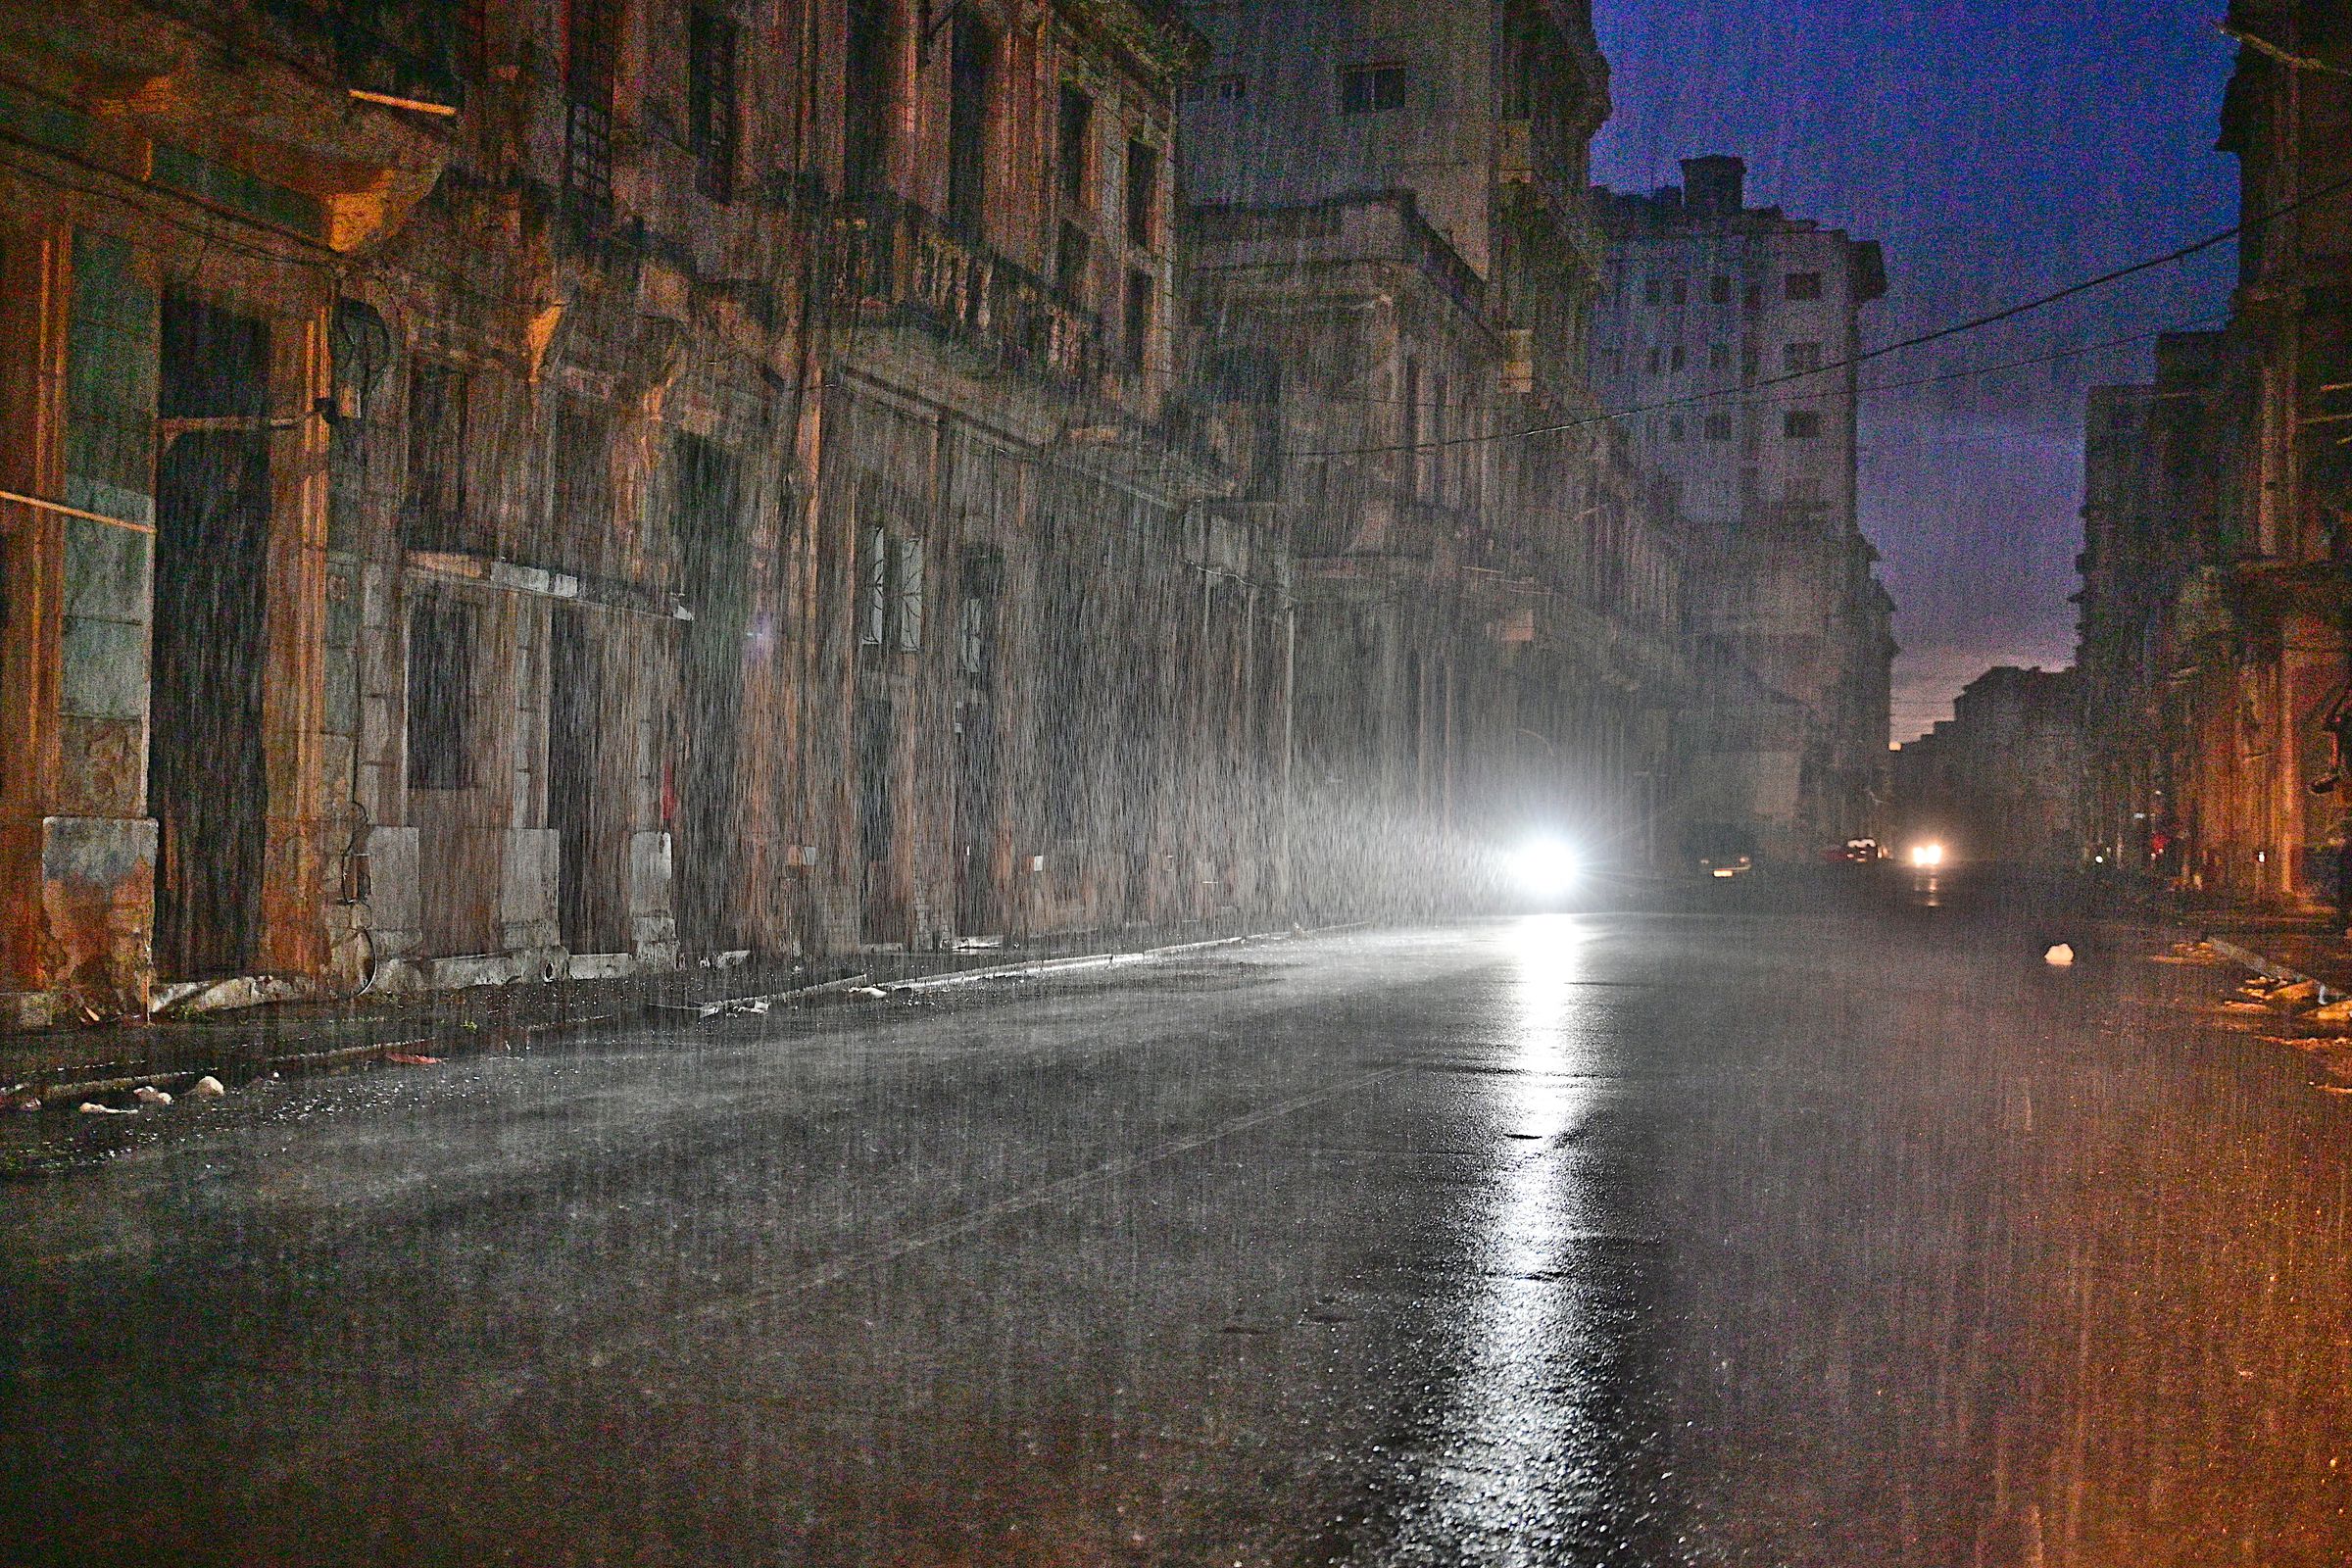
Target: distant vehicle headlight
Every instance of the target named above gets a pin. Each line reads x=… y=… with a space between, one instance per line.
x=1929 y=855
x=1545 y=868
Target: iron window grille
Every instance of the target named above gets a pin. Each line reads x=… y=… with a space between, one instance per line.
x=711 y=100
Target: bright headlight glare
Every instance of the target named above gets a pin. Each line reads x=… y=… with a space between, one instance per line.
x=1926 y=855
x=1545 y=866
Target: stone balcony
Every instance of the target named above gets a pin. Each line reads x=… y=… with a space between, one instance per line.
x=890 y=260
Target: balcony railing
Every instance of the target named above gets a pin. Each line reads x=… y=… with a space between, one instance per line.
x=891 y=258
x=422 y=49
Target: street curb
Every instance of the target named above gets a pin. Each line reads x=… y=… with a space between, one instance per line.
x=1042 y=968
x=2273 y=969
x=728 y=1006
x=52 y=1094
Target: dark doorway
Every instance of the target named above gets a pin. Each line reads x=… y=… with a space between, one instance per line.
x=879 y=916
x=586 y=893
x=978 y=911
x=709 y=530
x=205 y=783
x=976 y=819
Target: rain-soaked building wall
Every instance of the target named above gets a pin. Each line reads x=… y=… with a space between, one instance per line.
x=1062 y=665
x=1319 y=327
x=517 y=492
x=2215 y=609
x=177 y=221
x=1393 y=272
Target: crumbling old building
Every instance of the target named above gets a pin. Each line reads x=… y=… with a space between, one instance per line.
x=1728 y=333
x=1999 y=783
x=524 y=491
x=1392 y=266
x=517 y=492
x=2217 y=515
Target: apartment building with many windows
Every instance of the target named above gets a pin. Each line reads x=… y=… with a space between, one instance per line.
x=1724 y=339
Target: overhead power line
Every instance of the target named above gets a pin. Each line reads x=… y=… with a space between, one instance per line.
x=1973 y=323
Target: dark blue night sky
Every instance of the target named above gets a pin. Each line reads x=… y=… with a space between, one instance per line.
x=1997 y=150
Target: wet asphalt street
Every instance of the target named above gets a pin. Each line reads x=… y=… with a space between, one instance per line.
x=1754 y=1234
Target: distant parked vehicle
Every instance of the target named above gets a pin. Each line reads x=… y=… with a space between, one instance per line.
x=1854 y=851
x=1719 y=850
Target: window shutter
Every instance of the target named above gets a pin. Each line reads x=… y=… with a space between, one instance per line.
x=973 y=637
x=874 y=614
x=910 y=594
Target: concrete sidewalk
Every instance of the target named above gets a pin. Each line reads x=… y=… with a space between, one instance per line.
x=62 y=1065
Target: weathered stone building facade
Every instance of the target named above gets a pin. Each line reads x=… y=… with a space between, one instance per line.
x=1393 y=268
x=570 y=490
x=2218 y=514
x=1998 y=783
x=514 y=492
x=1730 y=332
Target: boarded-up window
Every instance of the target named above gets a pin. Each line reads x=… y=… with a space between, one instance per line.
x=1139 y=319
x=582 y=527
x=441 y=658
x=711 y=100
x=1073 y=146
x=1143 y=193
x=433 y=509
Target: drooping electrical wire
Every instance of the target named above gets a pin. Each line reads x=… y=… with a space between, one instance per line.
x=1917 y=340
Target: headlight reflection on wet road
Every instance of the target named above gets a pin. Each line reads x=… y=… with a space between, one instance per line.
x=1520 y=1476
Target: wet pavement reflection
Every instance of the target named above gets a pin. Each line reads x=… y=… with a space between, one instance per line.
x=1534 y=1464
x=1789 y=1228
